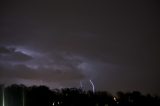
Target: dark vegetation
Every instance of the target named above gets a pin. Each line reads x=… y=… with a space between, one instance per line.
x=20 y=95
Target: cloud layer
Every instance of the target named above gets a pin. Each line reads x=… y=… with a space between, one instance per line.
x=116 y=44
x=17 y=65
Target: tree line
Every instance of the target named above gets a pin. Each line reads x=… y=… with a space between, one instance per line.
x=21 y=95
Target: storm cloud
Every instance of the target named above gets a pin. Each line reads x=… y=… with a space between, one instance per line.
x=116 y=44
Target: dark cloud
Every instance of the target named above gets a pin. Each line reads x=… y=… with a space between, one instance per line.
x=51 y=75
x=4 y=50
x=10 y=54
x=49 y=67
x=115 y=43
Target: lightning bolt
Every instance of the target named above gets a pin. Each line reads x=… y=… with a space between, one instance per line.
x=81 y=86
x=93 y=88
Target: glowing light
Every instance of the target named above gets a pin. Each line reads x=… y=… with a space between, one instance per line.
x=53 y=104
x=92 y=85
x=3 y=96
x=114 y=98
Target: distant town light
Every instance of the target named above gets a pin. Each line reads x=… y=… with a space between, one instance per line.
x=115 y=99
x=3 y=96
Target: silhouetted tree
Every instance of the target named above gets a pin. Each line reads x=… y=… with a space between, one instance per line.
x=13 y=95
x=20 y=95
x=137 y=99
x=39 y=96
x=1 y=94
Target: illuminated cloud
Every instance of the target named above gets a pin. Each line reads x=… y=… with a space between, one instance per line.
x=39 y=66
x=115 y=44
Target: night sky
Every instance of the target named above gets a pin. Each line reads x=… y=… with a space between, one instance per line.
x=60 y=43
